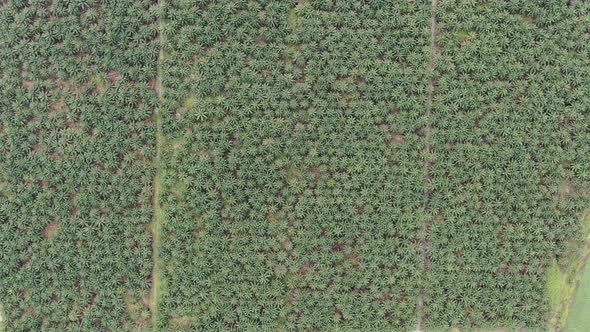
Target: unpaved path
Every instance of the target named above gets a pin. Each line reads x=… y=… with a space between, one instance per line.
x=427 y=163
x=156 y=226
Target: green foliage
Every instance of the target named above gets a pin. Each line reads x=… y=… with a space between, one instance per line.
x=292 y=130
x=76 y=144
x=314 y=168
x=510 y=145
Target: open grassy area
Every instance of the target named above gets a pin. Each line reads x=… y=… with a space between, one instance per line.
x=567 y=284
x=579 y=319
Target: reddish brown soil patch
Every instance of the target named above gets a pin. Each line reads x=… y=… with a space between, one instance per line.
x=74 y=211
x=341 y=78
x=141 y=321
x=293 y=297
x=146 y=300
x=27 y=84
x=205 y=153
x=57 y=156
x=438 y=219
x=99 y=88
x=338 y=247
x=24 y=262
x=79 y=90
x=82 y=55
x=197 y=231
x=153 y=84
x=29 y=311
x=234 y=140
x=397 y=139
x=316 y=172
x=89 y=304
x=62 y=85
x=37 y=148
x=130 y=306
x=272 y=217
x=101 y=166
x=114 y=76
x=260 y=41
x=303 y=269
x=72 y=125
x=78 y=284
x=504 y=268
x=138 y=155
x=567 y=188
x=386 y=297
x=353 y=259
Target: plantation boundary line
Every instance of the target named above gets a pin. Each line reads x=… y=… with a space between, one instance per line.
x=427 y=161
x=579 y=274
x=156 y=226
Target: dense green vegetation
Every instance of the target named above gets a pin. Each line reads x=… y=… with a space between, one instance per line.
x=76 y=144
x=510 y=144
x=282 y=165
x=293 y=164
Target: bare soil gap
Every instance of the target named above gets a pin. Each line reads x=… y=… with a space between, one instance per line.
x=427 y=163
x=158 y=217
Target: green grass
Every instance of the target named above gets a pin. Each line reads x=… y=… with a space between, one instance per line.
x=293 y=19
x=563 y=278
x=156 y=226
x=579 y=319
x=190 y=101
x=156 y=229
x=559 y=291
x=1 y=319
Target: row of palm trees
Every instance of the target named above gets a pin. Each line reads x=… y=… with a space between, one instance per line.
x=282 y=208
x=500 y=183
x=76 y=146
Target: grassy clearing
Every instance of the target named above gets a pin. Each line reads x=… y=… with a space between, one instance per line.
x=156 y=226
x=156 y=229
x=190 y=101
x=1 y=319
x=293 y=19
x=578 y=314
x=562 y=282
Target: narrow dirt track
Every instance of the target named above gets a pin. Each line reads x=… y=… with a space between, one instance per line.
x=158 y=217
x=427 y=162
